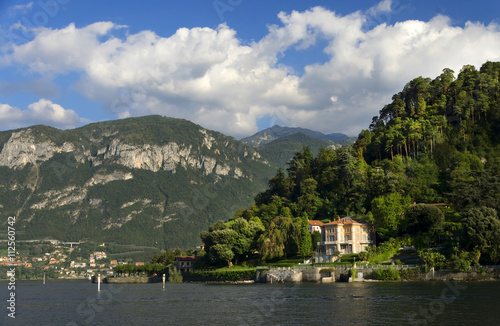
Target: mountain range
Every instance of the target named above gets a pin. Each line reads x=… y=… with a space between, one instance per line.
x=270 y=134
x=150 y=181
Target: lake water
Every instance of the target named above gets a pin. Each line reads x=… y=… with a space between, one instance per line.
x=73 y=303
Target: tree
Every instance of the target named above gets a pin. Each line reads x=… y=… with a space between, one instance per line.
x=432 y=258
x=308 y=202
x=167 y=257
x=423 y=218
x=305 y=238
x=267 y=212
x=315 y=238
x=281 y=238
x=222 y=252
x=481 y=227
x=174 y=276
x=299 y=165
x=279 y=186
x=388 y=213
x=219 y=244
x=247 y=235
x=475 y=188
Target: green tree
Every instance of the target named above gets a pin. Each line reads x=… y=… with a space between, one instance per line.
x=308 y=203
x=482 y=228
x=305 y=238
x=315 y=238
x=174 y=275
x=219 y=243
x=247 y=236
x=475 y=187
x=167 y=257
x=222 y=252
x=432 y=258
x=388 y=213
x=281 y=238
x=424 y=219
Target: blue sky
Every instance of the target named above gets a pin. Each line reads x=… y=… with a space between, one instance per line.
x=235 y=66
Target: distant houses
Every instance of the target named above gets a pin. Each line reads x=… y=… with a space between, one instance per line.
x=99 y=255
x=185 y=263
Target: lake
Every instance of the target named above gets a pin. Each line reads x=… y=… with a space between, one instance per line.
x=73 y=303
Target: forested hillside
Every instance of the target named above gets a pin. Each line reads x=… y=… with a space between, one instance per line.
x=437 y=142
x=444 y=134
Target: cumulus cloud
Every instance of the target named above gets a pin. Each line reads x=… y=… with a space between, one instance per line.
x=42 y=112
x=210 y=77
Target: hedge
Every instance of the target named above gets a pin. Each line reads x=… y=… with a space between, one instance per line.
x=221 y=276
x=389 y=274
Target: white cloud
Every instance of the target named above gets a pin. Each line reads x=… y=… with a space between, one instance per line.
x=42 y=112
x=208 y=76
x=383 y=6
x=23 y=9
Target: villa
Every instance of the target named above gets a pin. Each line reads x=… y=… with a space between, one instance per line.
x=344 y=235
x=185 y=263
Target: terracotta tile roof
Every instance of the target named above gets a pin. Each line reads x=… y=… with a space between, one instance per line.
x=185 y=258
x=315 y=223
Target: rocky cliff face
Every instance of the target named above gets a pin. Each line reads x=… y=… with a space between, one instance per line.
x=140 y=180
x=22 y=149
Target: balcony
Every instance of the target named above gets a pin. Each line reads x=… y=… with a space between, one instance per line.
x=336 y=242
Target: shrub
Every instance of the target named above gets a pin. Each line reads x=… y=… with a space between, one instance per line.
x=389 y=274
x=353 y=273
x=364 y=256
x=174 y=276
x=432 y=258
x=462 y=261
x=410 y=274
x=222 y=275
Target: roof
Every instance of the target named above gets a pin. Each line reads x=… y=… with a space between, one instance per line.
x=346 y=220
x=185 y=258
x=315 y=223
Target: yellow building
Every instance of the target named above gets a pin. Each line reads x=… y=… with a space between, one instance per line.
x=346 y=235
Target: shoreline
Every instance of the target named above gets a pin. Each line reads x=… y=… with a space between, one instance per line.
x=253 y=281
x=297 y=275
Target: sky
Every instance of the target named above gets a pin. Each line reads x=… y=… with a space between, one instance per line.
x=235 y=66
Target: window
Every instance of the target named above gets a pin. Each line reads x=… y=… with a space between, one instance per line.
x=347 y=237
x=364 y=237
